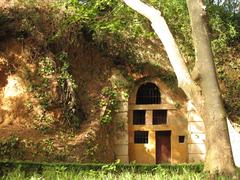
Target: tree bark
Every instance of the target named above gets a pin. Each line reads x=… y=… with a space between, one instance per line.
x=219 y=157
x=209 y=104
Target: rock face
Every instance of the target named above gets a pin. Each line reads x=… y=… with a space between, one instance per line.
x=235 y=142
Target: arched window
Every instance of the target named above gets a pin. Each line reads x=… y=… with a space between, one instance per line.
x=148 y=93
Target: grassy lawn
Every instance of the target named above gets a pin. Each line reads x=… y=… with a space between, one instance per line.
x=39 y=171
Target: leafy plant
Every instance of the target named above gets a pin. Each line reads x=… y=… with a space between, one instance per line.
x=48 y=146
x=109 y=104
x=110 y=168
x=91 y=146
x=10 y=147
x=68 y=87
x=64 y=75
x=44 y=121
x=47 y=66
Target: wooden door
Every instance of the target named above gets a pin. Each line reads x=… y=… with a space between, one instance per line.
x=163 y=147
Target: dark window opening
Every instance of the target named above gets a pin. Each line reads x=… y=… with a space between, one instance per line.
x=141 y=137
x=139 y=117
x=159 y=117
x=181 y=139
x=148 y=94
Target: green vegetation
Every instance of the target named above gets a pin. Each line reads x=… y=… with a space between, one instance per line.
x=91 y=147
x=109 y=104
x=15 y=147
x=106 y=21
x=9 y=148
x=53 y=86
x=19 y=170
x=68 y=92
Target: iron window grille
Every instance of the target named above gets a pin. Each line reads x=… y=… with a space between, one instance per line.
x=139 y=117
x=140 y=137
x=159 y=117
x=148 y=94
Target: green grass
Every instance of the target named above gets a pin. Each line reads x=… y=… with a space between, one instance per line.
x=100 y=175
x=32 y=171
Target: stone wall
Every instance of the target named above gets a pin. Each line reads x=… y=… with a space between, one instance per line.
x=120 y=119
x=196 y=137
x=121 y=133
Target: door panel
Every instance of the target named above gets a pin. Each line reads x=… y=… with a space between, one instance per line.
x=163 y=146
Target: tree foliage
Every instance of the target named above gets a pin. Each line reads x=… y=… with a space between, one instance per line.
x=224 y=24
x=116 y=30
x=106 y=17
